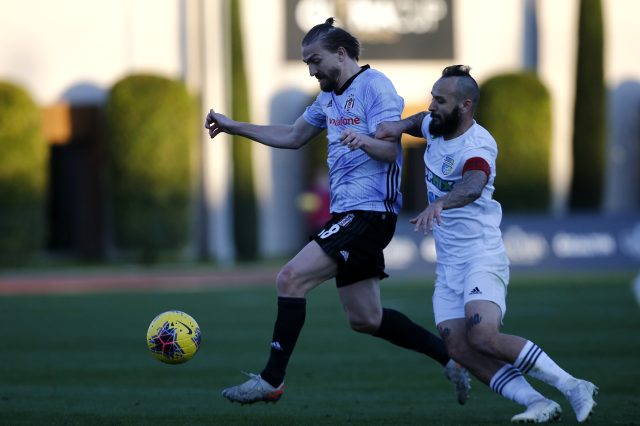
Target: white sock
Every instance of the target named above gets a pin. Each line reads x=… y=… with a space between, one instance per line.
x=536 y=363
x=509 y=382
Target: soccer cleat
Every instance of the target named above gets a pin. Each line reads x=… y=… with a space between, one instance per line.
x=580 y=397
x=253 y=390
x=459 y=376
x=541 y=411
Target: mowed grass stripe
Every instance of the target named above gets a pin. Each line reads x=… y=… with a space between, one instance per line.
x=81 y=359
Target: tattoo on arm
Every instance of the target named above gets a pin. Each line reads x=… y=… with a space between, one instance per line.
x=466 y=191
x=473 y=320
x=414 y=124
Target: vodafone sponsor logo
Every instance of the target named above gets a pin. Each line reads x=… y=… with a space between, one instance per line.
x=344 y=121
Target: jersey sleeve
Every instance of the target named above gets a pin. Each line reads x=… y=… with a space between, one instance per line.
x=314 y=114
x=477 y=163
x=383 y=103
x=480 y=158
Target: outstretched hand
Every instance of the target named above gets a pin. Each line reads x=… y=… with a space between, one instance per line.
x=217 y=123
x=428 y=218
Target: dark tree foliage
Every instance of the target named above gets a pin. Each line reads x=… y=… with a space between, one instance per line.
x=589 y=120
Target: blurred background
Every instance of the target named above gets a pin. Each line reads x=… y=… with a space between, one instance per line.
x=104 y=157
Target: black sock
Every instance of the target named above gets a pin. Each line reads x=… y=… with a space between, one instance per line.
x=291 y=315
x=400 y=330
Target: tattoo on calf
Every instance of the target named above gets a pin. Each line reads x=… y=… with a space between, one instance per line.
x=474 y=319
x=445 y=332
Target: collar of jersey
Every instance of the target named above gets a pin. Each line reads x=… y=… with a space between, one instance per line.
x=346 y=85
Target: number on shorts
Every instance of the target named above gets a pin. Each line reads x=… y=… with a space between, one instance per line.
x=324 y=234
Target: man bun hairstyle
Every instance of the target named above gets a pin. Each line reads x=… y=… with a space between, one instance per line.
x=467 y=87
x=332 y=38
x=456 y=71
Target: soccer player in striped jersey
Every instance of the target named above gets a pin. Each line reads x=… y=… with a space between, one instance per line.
x=472 y=269
x=365 y=196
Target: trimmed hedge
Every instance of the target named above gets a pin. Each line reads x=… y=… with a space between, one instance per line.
x=516 y=109
x=23 y=176
x=152 y=129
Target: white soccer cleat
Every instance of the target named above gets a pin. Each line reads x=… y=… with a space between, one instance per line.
x=459 y=376
x=580 y=397
x=253 y=390
x=541 y=411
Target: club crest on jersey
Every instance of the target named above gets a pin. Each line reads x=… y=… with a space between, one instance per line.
x=447 y=165
x=349 y=103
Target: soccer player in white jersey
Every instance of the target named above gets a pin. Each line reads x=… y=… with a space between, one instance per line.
x=365 y=198
x=472 y=269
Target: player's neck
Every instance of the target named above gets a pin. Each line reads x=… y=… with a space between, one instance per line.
x=351 y=68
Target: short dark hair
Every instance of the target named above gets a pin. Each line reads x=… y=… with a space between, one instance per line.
x=467 y=87
x=332 y=38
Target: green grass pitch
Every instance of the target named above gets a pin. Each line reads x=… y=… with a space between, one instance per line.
x=82 y=359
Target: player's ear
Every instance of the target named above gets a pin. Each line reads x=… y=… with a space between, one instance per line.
x=342 y=53
x=467 y=105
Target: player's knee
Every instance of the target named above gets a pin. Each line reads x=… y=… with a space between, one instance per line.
x=363 y=324
x=457 y=350
x=287 y=282
x=483 y=341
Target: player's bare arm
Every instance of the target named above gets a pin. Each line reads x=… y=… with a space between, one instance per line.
x=394 y=129
x=377 y=149
x=464 y=192
x=291 y=136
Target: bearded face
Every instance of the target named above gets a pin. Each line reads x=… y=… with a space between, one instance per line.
x=323 y=64
x=328 y=80
x=444 y=124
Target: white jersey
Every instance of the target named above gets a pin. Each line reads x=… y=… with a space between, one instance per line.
x=357 y=181
x=473 y=230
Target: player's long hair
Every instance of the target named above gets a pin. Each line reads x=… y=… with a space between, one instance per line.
x=332 y=38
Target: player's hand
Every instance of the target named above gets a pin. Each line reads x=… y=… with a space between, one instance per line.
x=389 y=130
x=217 y=123
x=428 y=218
x=352 y=140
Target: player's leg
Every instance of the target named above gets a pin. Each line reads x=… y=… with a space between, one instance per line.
x=357 y=243
x=502 y=378
x=361 y=302
x=484 y=293
x=484 y=311
x=454 y=336
x=309 y=268
x=448 y=306
x=580 y=393
x=523 y=354
x=358 y=249
x=483 y=321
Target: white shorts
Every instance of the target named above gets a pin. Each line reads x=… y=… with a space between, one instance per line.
x=483 y=278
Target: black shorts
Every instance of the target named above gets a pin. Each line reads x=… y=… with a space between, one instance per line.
x=355 y=240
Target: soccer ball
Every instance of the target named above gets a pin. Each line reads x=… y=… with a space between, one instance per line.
x=173 y=337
